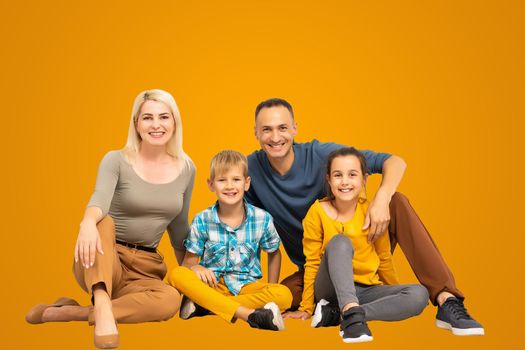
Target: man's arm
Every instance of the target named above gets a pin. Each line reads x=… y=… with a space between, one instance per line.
x=378 y=214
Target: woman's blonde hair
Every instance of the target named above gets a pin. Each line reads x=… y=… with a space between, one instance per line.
x=174 y=146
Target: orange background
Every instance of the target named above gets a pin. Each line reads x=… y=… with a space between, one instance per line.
x=438 y=83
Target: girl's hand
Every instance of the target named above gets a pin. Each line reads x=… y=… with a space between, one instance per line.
x=88 y=243
x=206 y=275
x=301 y=315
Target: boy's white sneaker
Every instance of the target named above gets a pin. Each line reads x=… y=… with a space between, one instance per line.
x=268 y=317
x=189 y=309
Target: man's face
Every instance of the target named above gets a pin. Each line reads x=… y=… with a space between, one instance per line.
x=275 y=130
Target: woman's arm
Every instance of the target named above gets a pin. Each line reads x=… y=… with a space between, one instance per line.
x=179 y=228
x=179 y=255
x=88 y=240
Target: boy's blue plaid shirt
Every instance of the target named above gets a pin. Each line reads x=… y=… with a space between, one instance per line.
x=233 y=253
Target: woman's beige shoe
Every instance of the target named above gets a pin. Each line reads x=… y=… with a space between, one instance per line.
x=110 y=341
x=34 y=316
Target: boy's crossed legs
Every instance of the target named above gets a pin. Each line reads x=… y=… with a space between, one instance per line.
x=248 y=305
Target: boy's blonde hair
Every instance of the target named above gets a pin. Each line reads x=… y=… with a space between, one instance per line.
x=225 y=160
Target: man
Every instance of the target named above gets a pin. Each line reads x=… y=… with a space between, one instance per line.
x=288 y=177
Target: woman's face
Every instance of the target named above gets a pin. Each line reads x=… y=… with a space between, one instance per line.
x=155 y=123
x=346 y=179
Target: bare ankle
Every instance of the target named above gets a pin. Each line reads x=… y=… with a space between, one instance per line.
x=349 y=306
x=100 y=295
x=243 y=313
x=443 y=296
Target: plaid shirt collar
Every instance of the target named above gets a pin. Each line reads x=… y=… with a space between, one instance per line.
x=248 y=210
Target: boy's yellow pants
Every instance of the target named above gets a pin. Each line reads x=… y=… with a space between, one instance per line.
x=221 y=301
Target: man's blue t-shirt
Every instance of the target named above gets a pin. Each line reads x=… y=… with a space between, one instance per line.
x=287 y=198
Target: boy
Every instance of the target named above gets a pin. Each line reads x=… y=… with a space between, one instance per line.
x=228 y=237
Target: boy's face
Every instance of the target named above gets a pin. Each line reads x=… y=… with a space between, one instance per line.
x=230 y=185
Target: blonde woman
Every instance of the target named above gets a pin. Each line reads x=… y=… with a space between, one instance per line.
x=141 y=191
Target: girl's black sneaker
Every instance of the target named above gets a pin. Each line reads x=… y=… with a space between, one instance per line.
x=353 y=326
x=326 y=315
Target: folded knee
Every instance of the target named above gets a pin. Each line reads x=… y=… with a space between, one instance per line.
x=106 y=227
x=168 y=305
x=178 y=274
x=399 y=199
x=340 y=244
x=418 y=298
x=282 y=296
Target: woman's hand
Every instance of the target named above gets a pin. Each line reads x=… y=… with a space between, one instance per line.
x=88 y=243
x=301 y=315
x=206 y=275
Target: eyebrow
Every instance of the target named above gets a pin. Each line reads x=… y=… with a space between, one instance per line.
x=276 y=126
x=341 y=171
x=164 y=113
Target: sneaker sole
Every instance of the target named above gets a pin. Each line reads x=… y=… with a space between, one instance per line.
x=361 y=339
x=187 y=309
x=277 y=318
x=318 y=314
x=459 y=331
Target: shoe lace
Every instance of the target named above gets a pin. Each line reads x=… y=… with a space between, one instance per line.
x=456 y=307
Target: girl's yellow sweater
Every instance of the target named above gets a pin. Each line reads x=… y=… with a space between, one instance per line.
x=372 y=262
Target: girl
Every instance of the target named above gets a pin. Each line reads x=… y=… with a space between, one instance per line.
x=342 y=268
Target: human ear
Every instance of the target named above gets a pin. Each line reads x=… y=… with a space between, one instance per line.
x=247 y=183
x=327 y=178
x=294 y=128
x=210 y=185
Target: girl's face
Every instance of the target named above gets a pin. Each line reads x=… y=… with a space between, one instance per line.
x=346 y=178
x=155 y=123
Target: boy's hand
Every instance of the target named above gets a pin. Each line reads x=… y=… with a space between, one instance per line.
x=302 y=315
x=206 y=275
